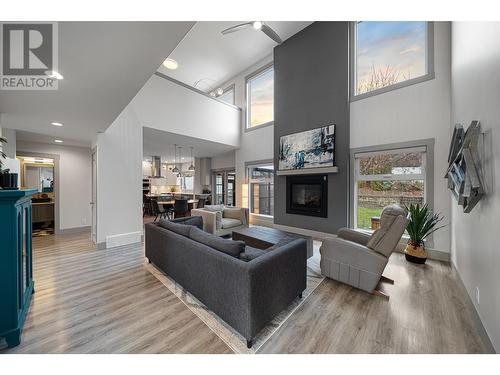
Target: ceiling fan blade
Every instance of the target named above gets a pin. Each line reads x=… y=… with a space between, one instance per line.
x=239 y=27
x=271 y=33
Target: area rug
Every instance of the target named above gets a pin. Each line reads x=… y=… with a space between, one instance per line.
x=233 y=339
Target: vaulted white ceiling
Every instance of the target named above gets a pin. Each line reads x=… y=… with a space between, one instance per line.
x=161 y=143
x=104 y=65
x=207 y=55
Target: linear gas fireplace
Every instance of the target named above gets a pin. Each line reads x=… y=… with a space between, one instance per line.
x=307 y=195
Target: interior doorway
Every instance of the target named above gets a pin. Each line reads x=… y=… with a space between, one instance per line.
x=224 y=187
x=40 y=172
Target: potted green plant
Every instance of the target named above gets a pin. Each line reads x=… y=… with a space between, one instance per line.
x=422 y=222
x=8 y=181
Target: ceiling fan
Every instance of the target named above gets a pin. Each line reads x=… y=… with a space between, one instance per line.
x=257 y=25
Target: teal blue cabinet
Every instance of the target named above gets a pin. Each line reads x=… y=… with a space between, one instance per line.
x=16 y=268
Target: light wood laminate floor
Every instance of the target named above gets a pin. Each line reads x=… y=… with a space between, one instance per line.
x=427 y=313
x=105 y=301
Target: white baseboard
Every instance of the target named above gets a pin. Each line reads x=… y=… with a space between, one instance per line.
x=123 y=239
x=74 y=230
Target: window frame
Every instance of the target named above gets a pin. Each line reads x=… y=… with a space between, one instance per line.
x=262 y=70
x=429 y=64
x=251 y=165
x=427 y=165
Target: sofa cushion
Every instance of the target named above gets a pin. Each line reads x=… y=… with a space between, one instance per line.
x=196 y=221
x=233 y=248
x=218 y=209
x=175 y=227
x=232 y=213
x=251 y=253
x=230 y=223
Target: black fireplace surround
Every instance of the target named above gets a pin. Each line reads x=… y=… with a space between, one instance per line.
x=307 y=195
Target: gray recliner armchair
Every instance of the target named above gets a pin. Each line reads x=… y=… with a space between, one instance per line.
x=359 y=259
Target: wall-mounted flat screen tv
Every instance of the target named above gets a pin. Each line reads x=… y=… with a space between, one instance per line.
x=308 y=149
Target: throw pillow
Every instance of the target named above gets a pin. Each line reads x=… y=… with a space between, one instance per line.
x=214 y=207
x=230 y=247
x=181 y=229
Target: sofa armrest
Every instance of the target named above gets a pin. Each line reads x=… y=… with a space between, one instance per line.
x=276 y=279
x=209 y=219
x=353 y=254
x=353 y=235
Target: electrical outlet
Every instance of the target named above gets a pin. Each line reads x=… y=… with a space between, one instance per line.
x=477 y=295
x=84 y=221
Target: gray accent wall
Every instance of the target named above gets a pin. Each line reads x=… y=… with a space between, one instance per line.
x=311 y=89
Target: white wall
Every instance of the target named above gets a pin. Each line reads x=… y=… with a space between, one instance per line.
x=415 y=112
x=74 y=181
x=10 y=147
x=10 y=162
x=160 y=104
x=164 y=105
x=476 y=96
x=224 y=161
x=119 y=180
x=257 y=144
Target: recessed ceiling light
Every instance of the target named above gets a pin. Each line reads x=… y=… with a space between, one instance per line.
x=53 y=74
x=257 y=25
x=56 y=124
x=170 y=64
x=58 y=141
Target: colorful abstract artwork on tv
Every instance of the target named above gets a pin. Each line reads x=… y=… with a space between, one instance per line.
x=309 y=149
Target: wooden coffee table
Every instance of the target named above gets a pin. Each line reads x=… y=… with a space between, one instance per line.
x=264 y=237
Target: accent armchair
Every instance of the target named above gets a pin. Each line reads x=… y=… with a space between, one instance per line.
x=358 y=259
x=221 y=220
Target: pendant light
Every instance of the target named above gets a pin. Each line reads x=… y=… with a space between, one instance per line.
x=191 y=167
x=175 y=169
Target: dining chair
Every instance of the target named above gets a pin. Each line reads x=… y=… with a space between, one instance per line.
x=181 y=208
x=201 y=203
x=158 y=210
x=149 y=206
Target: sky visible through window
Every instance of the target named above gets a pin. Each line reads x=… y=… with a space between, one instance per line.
x=388 y=53
x=261 y=95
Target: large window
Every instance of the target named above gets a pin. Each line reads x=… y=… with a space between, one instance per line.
x=387 y=177
x=260 y=98
x=261 y=189
x=388 y=55
x=186 y=183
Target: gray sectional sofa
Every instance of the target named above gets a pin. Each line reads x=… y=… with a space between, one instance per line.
x=246 y=287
